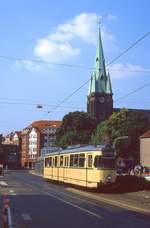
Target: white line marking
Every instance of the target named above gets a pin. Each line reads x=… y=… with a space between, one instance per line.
x=12 y=192
x=26 y=217
x=76 y=206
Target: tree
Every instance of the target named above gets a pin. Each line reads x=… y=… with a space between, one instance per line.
x=119 y=124
x=76 y=128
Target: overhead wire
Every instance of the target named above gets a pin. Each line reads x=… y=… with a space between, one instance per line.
x=132 y=92
x=110 y=63
x=84 y=67
x=43 y=62
x=71 y=65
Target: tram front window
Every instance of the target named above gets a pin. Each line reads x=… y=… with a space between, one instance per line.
x=104 y=162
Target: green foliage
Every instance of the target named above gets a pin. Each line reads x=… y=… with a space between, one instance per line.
x=123 y=123
x=76 y=128
x=110 y=129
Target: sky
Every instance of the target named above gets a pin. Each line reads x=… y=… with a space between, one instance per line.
x=65 y=33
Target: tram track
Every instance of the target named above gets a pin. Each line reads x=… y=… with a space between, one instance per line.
x=81 y=202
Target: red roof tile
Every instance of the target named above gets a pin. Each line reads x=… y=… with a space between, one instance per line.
x=146 y=134
x=40 y=124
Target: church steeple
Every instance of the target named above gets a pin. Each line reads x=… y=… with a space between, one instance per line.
x=100 y=92
x=99 y=72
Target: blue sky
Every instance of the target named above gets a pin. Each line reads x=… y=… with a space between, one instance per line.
x=66 y=32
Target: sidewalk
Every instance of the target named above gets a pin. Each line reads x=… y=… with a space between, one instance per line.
x=135 y=201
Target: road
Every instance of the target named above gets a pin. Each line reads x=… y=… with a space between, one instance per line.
x=36 y=203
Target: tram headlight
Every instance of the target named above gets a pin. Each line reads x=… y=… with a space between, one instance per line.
x=109 y=177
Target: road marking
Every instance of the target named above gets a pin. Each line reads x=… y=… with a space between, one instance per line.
x=76 y=206
x=12 y=192
x=110 y=201
x=3 y=183
x=26 y=217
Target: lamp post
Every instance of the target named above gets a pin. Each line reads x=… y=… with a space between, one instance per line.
x=116 y=140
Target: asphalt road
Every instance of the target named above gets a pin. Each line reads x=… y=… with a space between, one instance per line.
x=37 y=204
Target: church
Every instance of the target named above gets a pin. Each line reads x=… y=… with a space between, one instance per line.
x=100 y=95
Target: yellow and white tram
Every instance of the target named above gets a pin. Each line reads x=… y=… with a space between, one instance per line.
x=87 y=166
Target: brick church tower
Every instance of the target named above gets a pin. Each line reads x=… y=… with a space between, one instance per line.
x=99 y=99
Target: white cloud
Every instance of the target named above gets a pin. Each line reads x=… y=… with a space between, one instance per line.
x=122 y=71
x=53 y=51
x=83 y=26
x=65 y=42
x=111 y=17
x=58 y=46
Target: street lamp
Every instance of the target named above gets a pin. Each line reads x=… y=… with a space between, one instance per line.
x=116 y=140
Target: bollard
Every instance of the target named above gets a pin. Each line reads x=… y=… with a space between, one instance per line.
x=7 y=220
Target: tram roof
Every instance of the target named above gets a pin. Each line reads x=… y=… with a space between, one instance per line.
x=78 y=149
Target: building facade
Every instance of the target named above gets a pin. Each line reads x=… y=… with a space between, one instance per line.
x=145 y=149
x=10 y=150
x=37 y=135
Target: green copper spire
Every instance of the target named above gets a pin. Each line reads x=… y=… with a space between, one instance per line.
x=101 y=82
x=93 y=84
x=108 y=84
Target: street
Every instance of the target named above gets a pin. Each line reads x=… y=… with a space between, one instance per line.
x=36 y=203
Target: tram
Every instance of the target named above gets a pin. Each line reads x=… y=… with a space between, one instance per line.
x=88 y=166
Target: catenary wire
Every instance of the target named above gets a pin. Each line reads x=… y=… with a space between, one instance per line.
x=19 y=103
x=70 y=65
x=113 y=60
x=83 y=67
x=132 y=92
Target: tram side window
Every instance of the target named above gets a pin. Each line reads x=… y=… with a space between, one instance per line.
x=71 y=160
x=75 y=160
x=56 y=160
x=81 y=160
x=61 y=161
x=90 y=160
x=66 y=161
x=46 y=162
x=50 y=161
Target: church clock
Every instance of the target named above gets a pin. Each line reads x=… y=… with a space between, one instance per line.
x=101 y=99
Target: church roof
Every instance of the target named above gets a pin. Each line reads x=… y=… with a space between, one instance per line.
x=100 y=81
